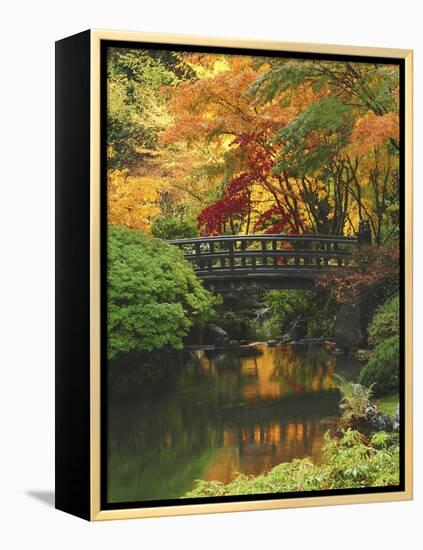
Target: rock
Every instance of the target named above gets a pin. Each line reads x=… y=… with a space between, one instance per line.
x=283 y=338
x=216 y=335
x=298 y=330
x=379 y=421
x=395 y=425
x=347 y=328
x=396 y=421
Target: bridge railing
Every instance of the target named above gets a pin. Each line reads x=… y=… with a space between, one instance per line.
x=229 y=253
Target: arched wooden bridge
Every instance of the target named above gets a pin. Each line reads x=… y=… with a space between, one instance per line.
x=235 y=262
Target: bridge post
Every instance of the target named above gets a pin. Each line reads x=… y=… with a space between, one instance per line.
x=275 y=259
x=211 y=248
x=243 y=259
x=198 y=255
x=297 y=248
x=222 y=259
x=364 y=235
x=264 y=250
x=306 y=247
x=339 y=259
x=318 y=258
x=231 y=255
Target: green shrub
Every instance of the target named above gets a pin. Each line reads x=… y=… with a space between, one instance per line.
x=316 y=307
x=237 y=311
x=389 y=404
x=350 y=461
x=382 y=369
x=264 y=330
x=355 y=402
x=173 y=228
x=154 y=297
x=385 y=322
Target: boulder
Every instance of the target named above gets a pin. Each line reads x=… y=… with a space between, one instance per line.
x=298 y=330
x=216 y=335
x=378 y=421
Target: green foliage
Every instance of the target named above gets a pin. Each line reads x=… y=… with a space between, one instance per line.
x=326 y=119
x=282 y=76
x=355 y=402
x=350 y=461
x=382 y=369
x=236 y=313
x=385 y=322
x=370 y=85
x=264 y=330
x=135 y=106
x=389 y=404
x=316 y=307
x=174 y=228
x=154 y=297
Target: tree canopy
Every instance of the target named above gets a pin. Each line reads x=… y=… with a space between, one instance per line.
x=243 y=144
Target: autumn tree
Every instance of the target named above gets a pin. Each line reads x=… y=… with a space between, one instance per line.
x=137 y=111
x=355 y=153
x=305 y=146
x=252 y=144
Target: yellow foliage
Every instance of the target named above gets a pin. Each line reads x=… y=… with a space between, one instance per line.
x=210 y=67
x=133 y=201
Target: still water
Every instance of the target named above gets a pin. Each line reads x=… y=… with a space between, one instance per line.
x=218 y=415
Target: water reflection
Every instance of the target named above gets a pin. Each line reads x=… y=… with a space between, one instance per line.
x=218 y=415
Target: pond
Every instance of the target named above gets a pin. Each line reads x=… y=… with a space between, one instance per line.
x=219 y=414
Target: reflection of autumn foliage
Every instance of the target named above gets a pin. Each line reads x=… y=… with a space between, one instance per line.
x=281 y=371
x=376 y=270
x=256 y=449
x=257 y=443
x=304 y=372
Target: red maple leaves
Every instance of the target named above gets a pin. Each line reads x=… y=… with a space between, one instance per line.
x=213 y=219
x=236 y=202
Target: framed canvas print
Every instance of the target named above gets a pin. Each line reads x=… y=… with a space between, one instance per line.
x=233 y=275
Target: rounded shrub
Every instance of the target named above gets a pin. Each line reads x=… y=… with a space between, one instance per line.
x=385 y=322
x=382 y=369
x=154 y=296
